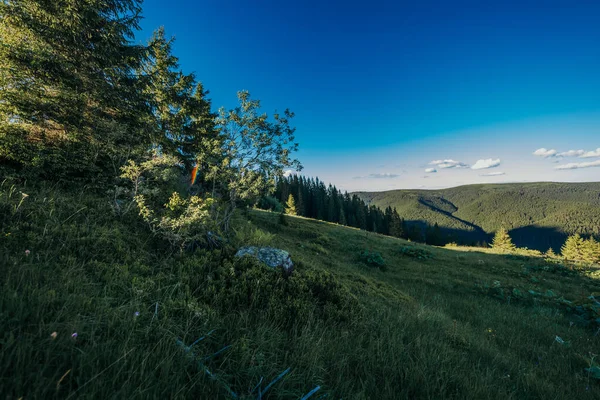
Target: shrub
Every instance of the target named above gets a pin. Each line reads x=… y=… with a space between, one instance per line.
x=270 y=203
x=156 y=188
x=373 y=258
x=247 y=235
x=246 y=285
x=415 y=252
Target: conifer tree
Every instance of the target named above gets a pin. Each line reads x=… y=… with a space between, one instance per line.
x=573 y=248
x=70 y=105
x=591 y=251
x=550 y=253
x=183 y=122
x=396 y=225
x=290 y=206
x=342 y=220
x=502 y=241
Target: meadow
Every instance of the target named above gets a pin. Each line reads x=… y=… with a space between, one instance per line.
x=92 y=305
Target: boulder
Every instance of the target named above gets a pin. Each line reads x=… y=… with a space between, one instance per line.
x=271 y=256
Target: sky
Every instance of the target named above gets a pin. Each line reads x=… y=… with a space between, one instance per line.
x=416 y=94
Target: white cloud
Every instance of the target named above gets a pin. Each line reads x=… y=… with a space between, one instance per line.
x=593 y=153
x=543 y=152
x=445 y=164
x=493 y=174
x=579 y=165
x=430 y=170
x=287 y=172
x=487 y=163
x=387 y=175
x=571 y=153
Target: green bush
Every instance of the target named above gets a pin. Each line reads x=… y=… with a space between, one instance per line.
x=155 y=187
x=270 y=203
x=415 y=252
x=233 y=285
x=245 y=234
x=373 y=258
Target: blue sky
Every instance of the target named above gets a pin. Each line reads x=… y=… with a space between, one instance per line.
x=383 y=89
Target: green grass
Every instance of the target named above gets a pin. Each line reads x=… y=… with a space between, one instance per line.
x=432 y=324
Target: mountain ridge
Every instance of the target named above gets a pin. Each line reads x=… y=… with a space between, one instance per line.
x=539 y=215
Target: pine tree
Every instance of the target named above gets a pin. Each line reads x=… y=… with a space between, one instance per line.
x=396 y=225
x=300 y=205
x=342 y=215
x=591 y=251
x=502 y=241
x=70 y=104
x=183 y=121
x=572 y=250
x=290 y=206
x=550 y=253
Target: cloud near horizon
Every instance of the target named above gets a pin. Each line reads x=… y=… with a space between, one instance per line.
x=593 y=153
x=430 y=170
x=543 y=152
x=493 y=174
x=387 y=175
x=487 y=163
x=571 y=153
x=579 y=165
x=446 y=164
x=287 y=172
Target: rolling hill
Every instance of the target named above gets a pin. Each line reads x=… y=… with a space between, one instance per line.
x=537 y=215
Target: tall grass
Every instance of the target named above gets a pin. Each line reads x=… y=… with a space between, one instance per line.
x=422 y=328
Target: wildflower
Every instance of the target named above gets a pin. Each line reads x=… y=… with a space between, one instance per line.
x=53 y=335
x=27 y=252
x=136 y=314
x=74 y=335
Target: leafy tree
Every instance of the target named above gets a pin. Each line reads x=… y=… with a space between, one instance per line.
x=290 y=206
x=70 y=105
x=502 y=241
x=573 y=249
x=256 y=150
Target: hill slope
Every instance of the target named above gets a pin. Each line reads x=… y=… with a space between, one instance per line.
x=433 y=323
x=537 y=215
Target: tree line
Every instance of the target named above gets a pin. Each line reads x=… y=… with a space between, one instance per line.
x=575 y=248
x=311 y=198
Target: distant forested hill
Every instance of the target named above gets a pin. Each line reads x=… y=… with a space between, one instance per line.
x=537 y=215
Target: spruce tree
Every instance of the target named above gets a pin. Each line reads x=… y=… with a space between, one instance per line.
x=290 y=206
x=342 y=214
x=591 y=251
x=70 y=104
x=573 y=249
x=184 y=125
x=502 y=241
x=550 y=253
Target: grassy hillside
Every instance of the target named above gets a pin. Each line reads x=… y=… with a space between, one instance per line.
x=537 y=215
x=430 y=323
